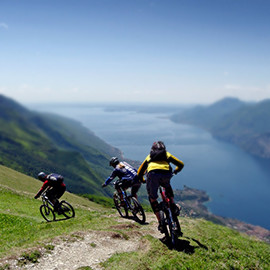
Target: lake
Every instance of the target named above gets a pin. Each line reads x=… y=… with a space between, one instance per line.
x=237 y=183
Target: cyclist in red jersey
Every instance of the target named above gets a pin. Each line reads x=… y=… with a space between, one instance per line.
x=55 y=185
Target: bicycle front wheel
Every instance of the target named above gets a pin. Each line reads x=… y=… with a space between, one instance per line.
x=66 y=209
x=170 y=227
x=47 y=213
x=164 y=223
x=137 y=210
x=122 y=210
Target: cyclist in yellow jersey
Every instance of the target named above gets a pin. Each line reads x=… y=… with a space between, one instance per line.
x=159 y=173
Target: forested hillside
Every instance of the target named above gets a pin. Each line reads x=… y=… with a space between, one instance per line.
x=244 y=124
x=31 y=142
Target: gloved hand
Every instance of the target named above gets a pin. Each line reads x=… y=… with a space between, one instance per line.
x=104 y=185
x=175 y=172
x=143 y=180
x=36 y=196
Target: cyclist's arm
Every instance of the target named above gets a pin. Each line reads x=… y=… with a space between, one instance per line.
x=177 y=162
x=110 y=178
x=44 y=186
x=142 y=170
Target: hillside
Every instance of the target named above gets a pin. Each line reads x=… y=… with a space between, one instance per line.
x=31 y=142
x=97 y=238
x=243 y=124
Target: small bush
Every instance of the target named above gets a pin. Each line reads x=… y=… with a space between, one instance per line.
x=29 y=257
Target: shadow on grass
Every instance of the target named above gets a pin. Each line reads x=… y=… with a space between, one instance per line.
x=58 y=219
x=136 y=219
x=183 y=245
x=62 y=218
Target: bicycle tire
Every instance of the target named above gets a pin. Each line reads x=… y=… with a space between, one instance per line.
x=122 y=210
x=172 y=229
x=66 y=209
x=137 y=210
x=171 y=234
x=163 y=222
x=47 y=213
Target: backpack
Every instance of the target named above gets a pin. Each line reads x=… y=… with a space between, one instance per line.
x=55 y=178
x=158 y=152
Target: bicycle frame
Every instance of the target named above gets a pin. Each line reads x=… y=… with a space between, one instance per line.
x=167 y=203
x=125 y=196
x=46 y=200
x=130 y=204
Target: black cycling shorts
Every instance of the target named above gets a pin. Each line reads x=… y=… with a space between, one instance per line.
x=156 y=179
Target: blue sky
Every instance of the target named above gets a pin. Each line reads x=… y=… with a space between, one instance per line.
x=178 y=51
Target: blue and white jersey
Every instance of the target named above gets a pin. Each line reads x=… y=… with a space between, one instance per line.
x=123 y=171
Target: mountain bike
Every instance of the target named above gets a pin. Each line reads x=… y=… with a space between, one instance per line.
x=129 y=203
x=48 y=212
x=169 y=221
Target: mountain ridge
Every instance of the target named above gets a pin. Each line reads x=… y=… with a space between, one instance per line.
x=31 y=142
x=234 y=121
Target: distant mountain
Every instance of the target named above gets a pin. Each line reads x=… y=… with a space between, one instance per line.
x=208 y=116
x=244 y=124
x=31 y=142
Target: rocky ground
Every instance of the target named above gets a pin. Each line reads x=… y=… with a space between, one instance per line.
x=88 y=249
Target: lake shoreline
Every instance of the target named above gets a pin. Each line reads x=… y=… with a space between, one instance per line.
x=192 y=205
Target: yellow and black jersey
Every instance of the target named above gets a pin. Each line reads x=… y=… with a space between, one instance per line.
x=149 y=165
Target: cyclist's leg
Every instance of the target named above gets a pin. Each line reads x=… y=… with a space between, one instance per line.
x=120 y=194
x=135 y=186
x=165 y=182
x=152 y=185
x=51 y=195
x=59 y=192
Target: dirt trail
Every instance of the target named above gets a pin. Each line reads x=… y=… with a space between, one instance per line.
x=91 y=248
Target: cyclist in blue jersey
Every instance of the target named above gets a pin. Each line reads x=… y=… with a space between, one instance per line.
x=127 y=175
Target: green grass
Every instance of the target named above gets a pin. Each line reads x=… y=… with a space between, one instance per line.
x=21 y=223
x=204 y=245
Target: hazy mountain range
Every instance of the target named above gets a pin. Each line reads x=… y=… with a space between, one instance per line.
x=244 y=124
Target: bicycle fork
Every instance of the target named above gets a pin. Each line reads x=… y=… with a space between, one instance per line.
x=171 y=220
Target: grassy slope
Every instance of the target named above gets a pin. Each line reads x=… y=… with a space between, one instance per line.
x=20 y=221
x=205 y=245
x=31 y=142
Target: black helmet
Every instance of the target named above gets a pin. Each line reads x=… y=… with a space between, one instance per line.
x=42 y=176
x=114 y=161
x=159 y=145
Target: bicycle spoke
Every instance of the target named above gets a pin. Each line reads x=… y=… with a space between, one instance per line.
x=122 y=210
x=47 y=213
x=66 y=209
x=137 y=210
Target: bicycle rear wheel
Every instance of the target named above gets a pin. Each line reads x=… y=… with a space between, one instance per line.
x=47 y=213
x=137 y=210
x=122 y=210
x=66 y=209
